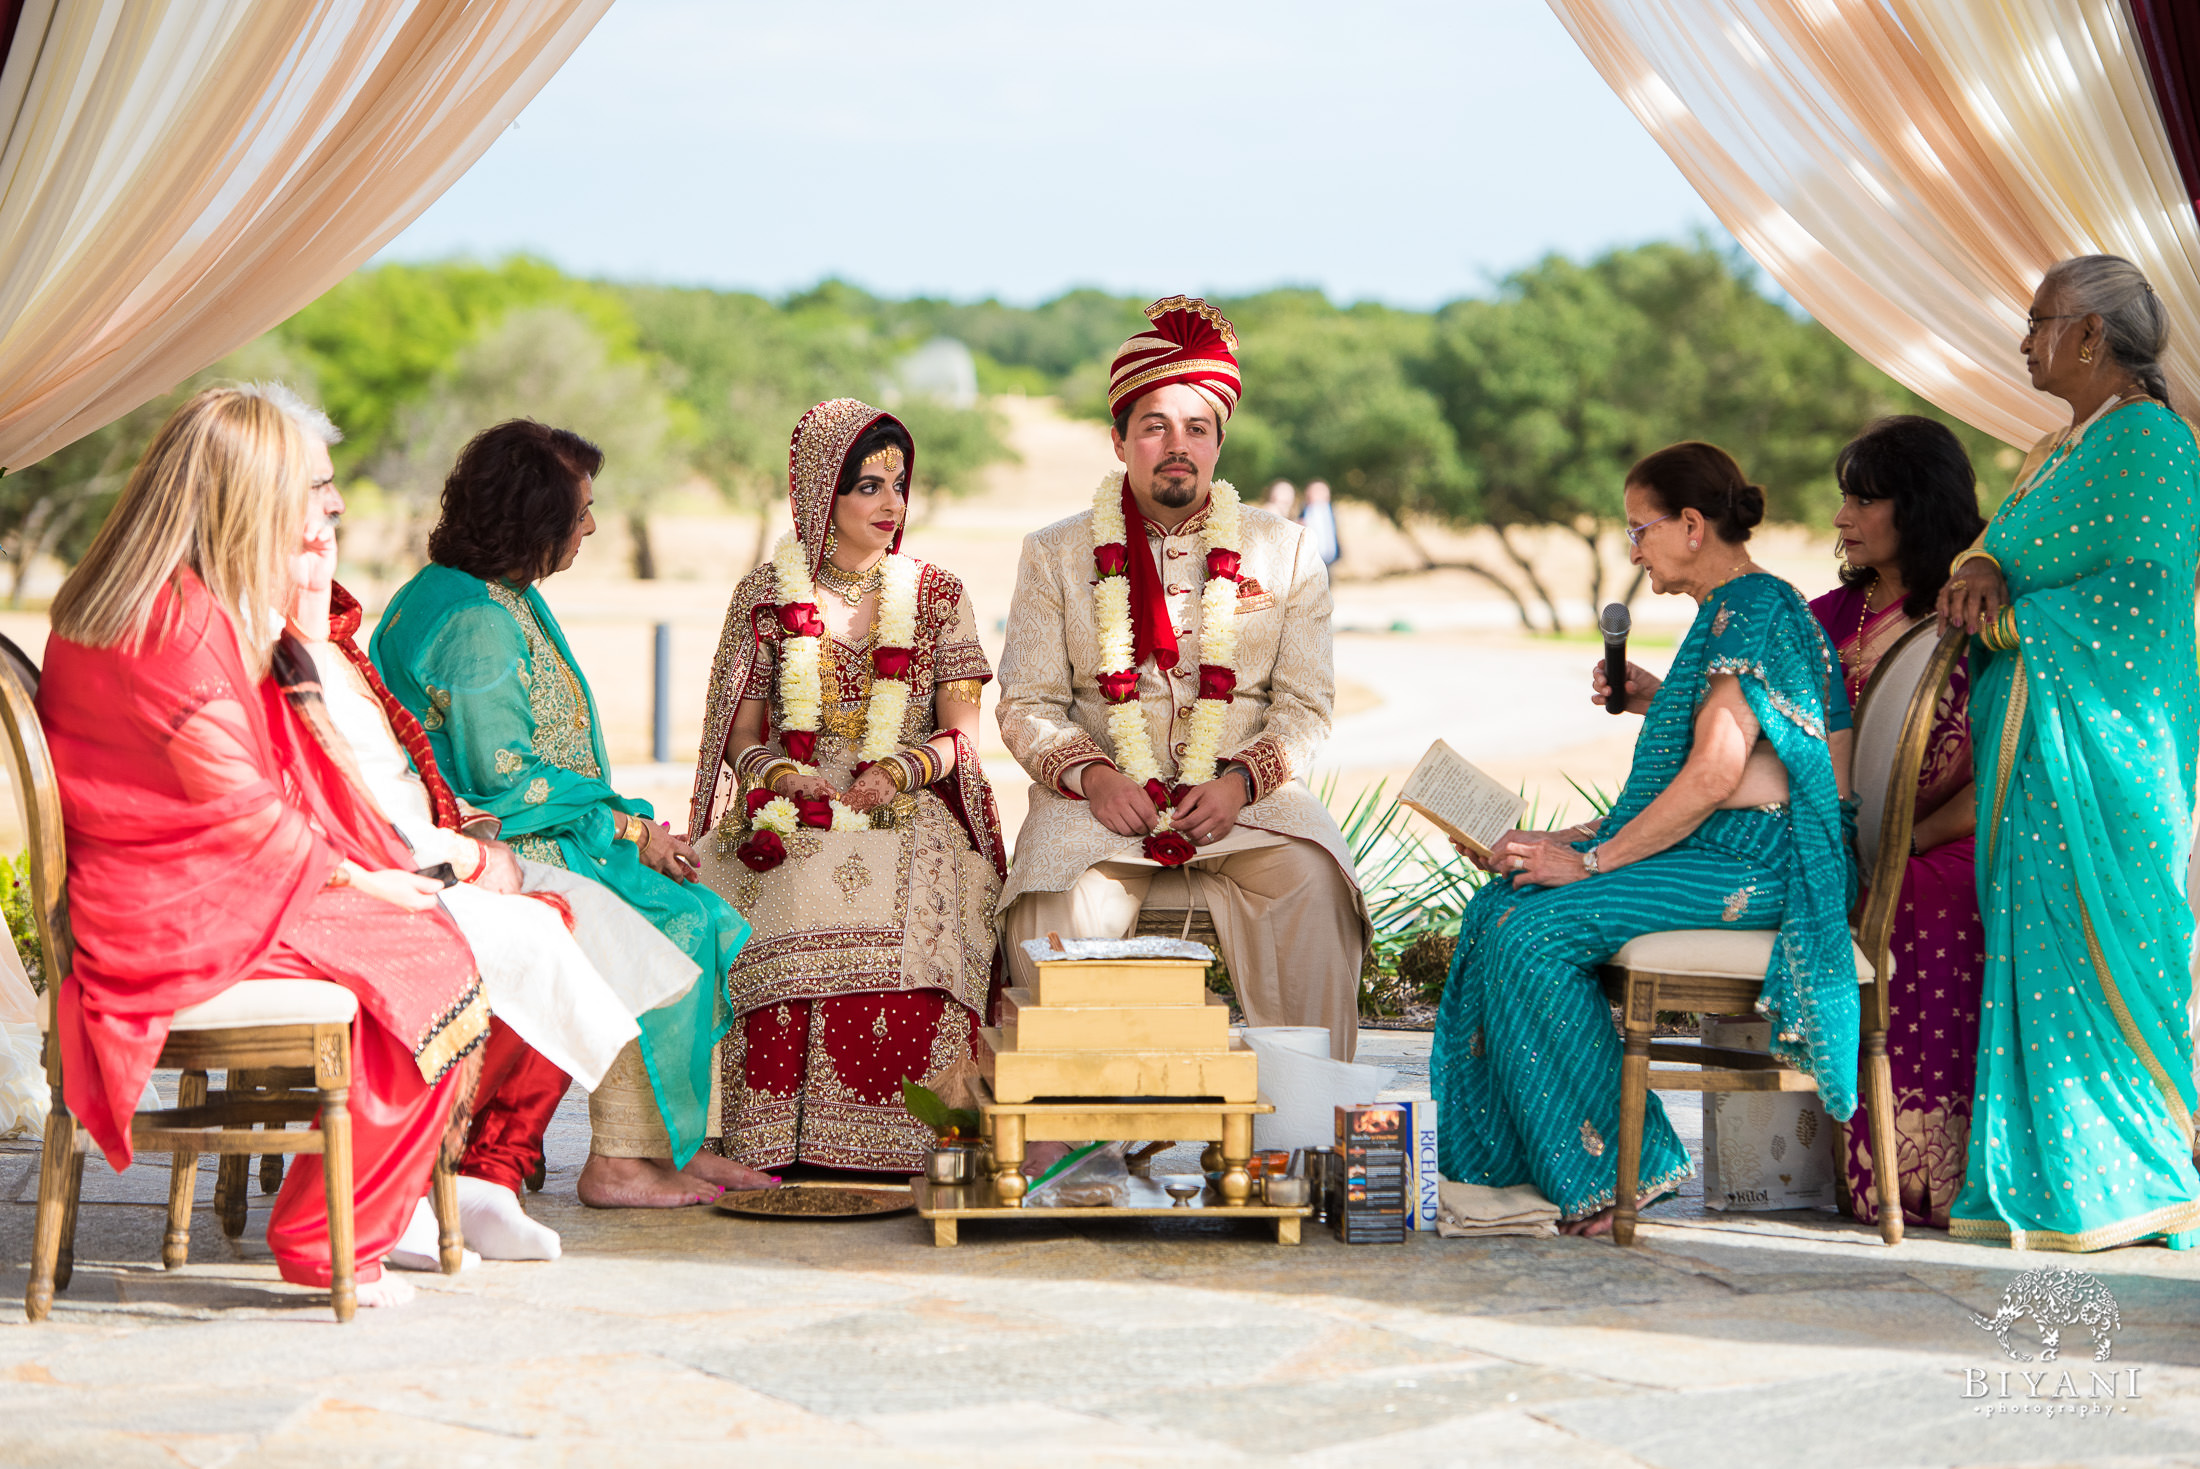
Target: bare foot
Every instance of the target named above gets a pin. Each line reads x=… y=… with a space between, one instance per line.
x=1589 y=1226
x=1039 y=1157
x=388 y=1291
x=726 y=1173
x=640 y=1183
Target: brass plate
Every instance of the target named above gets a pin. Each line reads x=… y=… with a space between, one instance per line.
x=827 y=1203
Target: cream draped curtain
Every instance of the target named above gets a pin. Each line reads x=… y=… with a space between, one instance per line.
x=177 y=176
x=1907 y=169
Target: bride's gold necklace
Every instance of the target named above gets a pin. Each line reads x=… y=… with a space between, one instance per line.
x=852 y=587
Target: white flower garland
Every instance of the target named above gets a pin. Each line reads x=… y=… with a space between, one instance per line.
x=801 y=696
x=1134 y=751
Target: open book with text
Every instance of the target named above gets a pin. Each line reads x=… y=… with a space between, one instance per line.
x=1466 y=804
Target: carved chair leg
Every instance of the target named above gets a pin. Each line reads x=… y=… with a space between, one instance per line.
x=1886 y=1159
x=336 y=1179
x=271 y=1172
x=54 y=1178
x=230 y=1186
x=183 y=1180
x=450 y=1237
x=1639 y=1019
x=71 y=1202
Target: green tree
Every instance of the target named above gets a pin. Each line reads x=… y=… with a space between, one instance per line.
x=55 y=506
x=1572 y=372
x=380 y=337
x=550 y=364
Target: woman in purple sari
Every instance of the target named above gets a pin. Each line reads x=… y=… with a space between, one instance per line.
x=1909 y=503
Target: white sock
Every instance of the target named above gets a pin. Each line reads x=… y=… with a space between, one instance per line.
x=494 y=1222
x=420 y=1246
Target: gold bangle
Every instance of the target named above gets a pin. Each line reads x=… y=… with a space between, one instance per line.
x=1974 y=553
x=897 y=771
x=630 y=829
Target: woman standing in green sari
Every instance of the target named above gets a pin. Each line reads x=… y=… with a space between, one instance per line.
x=2083 y=726
x=472 y=649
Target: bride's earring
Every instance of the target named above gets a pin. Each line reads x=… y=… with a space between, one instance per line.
x=830 y=545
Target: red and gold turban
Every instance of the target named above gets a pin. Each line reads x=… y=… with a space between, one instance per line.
x=1189 y=342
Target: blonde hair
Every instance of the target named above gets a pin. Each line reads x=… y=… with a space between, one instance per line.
x=221 y=490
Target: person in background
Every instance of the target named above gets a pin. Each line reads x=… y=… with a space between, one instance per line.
x=1282 y=499
x=212 y=839
x=1909 y=503
x=472 y=650
x=1320 y=519
x=2085 y=717
x=1732 y=817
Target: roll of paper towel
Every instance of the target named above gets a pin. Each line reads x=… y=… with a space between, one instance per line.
x=1305 y=1086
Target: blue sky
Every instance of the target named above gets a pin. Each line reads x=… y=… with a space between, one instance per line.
x=1404 y=152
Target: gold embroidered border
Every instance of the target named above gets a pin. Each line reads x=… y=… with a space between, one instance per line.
x=1270 y=766
x=1126 y=389
x=2169 y=1219
x=2176 y=1104
x=449 y=1039
x=2012 y=728
x=1056 y=763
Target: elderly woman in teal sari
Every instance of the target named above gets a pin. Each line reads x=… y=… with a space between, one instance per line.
x=2083 y=726
x=1734 y=815
x=472 y=649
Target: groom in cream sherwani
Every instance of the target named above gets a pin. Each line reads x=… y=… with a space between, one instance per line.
x=1209 y=790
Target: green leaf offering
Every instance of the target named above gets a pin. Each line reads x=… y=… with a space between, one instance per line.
x=925 y=1105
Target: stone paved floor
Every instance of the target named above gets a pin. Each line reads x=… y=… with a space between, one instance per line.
x=1755 y=1342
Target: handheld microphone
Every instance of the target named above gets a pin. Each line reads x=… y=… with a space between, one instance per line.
x=1615 y=622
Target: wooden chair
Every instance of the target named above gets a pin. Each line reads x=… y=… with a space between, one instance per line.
x=284 y=1046
x=1722 y=971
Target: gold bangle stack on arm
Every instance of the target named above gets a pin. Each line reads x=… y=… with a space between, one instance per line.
x=1974 y=553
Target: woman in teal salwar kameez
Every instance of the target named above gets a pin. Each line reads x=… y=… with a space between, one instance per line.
x=2085 y=713
x=472 y=649
x=1733 y=816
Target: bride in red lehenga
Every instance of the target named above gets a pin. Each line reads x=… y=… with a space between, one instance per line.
x=840 y=806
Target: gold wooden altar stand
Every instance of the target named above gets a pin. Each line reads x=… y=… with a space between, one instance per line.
x=1115 y=1042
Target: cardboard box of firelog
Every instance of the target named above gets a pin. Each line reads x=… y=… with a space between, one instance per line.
x=1386 y=1157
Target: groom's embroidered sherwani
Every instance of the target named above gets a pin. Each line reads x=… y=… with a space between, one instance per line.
x=1281 y=888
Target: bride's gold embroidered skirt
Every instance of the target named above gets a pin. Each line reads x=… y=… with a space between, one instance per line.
x=870 y=959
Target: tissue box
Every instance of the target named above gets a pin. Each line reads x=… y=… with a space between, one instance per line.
x=1372 y=1162
x=1763 y=1150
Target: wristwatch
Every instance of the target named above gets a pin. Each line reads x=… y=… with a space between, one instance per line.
x=1246 y=775
x=1589 y=862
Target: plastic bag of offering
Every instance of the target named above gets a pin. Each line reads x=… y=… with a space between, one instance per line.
x=1094 y=1176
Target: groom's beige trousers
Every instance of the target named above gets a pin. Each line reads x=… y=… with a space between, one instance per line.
x=1289 y=928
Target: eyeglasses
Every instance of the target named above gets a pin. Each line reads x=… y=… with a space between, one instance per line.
x=1634 y=532
x=2032 y=323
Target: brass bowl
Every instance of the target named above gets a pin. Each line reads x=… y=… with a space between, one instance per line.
x=1285 y=1193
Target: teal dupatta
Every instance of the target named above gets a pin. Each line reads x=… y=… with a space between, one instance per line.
x=1760 y=630
x=2084 y=737
x=486 y=669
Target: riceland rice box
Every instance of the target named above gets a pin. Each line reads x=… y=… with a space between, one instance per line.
x=1372 y=1164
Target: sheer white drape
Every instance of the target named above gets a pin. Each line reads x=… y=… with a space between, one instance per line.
x=1907 y=169
x=176 y=176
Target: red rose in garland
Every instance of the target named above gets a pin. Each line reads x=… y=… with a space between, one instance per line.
x=800 y=619
x=762 y=851
x=801 y=744
x=1170 y=848
x=814 y=811
x=1222 y=562
x=1217 y=683
x=1120 y=687
x=890 y=662
x=756 y=801
x=1113 y=559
